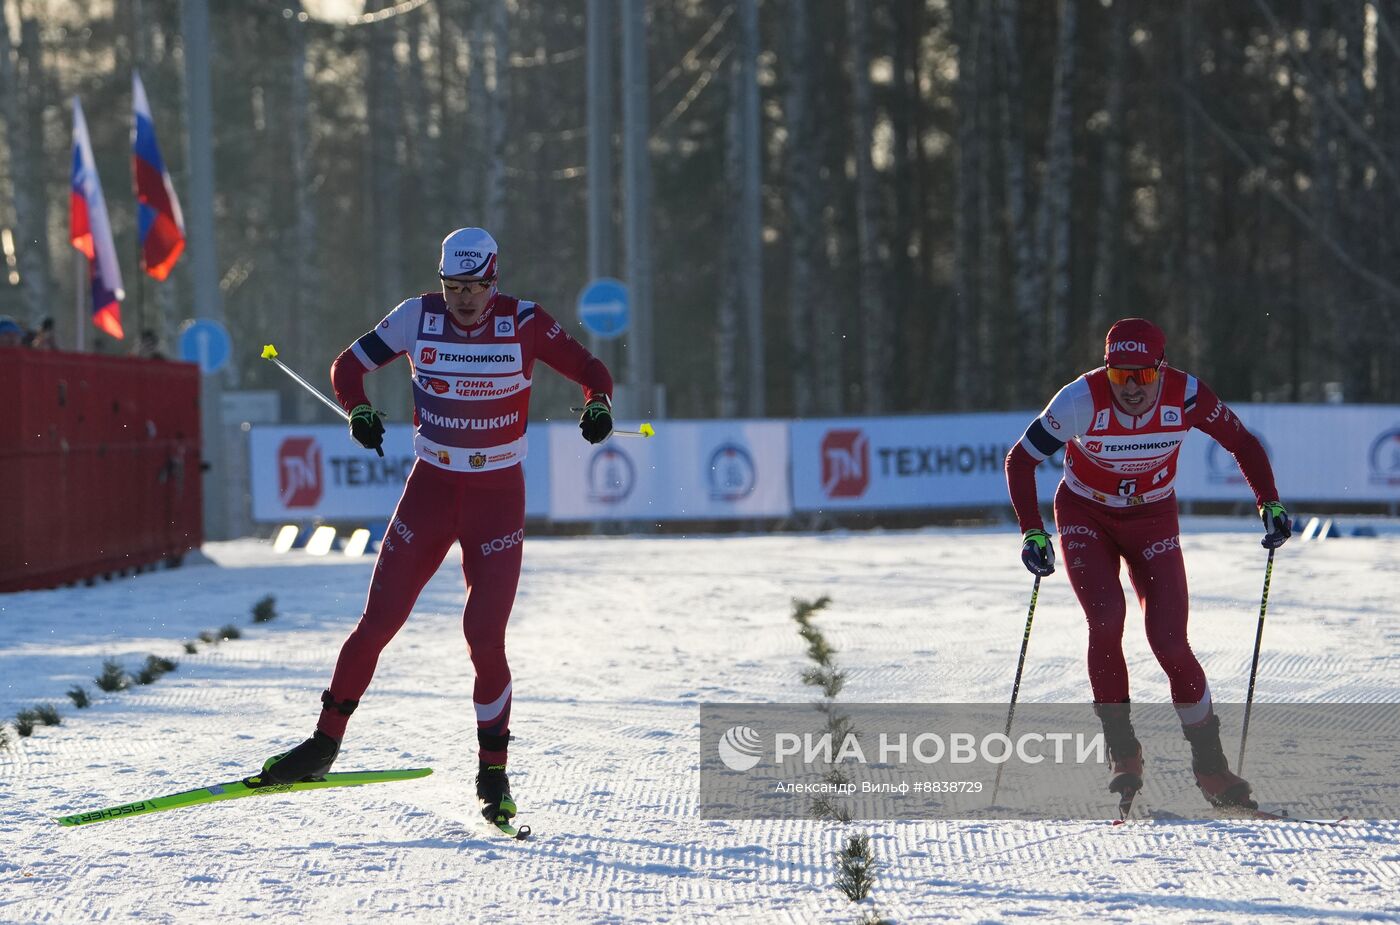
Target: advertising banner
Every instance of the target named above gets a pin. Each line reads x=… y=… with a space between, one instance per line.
x=954 y=460
x=703 y=470
x=1319 y=453
x=317 y=472
x=690 y=470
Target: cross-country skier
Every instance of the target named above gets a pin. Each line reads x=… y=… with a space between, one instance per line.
x=471 y=352
x=1122 y=425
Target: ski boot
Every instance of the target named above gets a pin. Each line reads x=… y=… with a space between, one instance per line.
x=1218 y=784
x=493 y=792
x=1124 y=753
x=310 y=760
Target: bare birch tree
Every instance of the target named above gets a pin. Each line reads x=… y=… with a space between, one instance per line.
x=1029 y=286
x=1192 y=336
x=1107 y=295
x=1055 y=198
x=803 y=207
x=730 y=294
x=497 y=61
x=385 y=230
x=26 y=154
x=304 y=264
x=966 y=373
x=875 y=332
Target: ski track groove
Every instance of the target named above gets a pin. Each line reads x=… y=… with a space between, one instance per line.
x=604 y=763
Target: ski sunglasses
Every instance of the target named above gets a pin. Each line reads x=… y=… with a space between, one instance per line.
x=1142 y=376
x=469 y=286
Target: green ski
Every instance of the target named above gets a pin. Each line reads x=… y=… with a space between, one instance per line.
x=507 y=828
x=233 y=790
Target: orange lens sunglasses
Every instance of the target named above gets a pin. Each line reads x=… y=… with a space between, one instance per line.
x=1143 y=376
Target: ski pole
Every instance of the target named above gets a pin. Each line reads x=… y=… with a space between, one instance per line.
x=1254 y=666
x=646 y=430
x=1016 y=686
x=270 y=353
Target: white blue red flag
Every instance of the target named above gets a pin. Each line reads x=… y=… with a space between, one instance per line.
x=161 y=226
x=90 y=231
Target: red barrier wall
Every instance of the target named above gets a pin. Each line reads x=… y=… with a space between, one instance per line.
x=99 y=465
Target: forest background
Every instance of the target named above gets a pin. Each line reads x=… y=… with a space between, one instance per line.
x=957 y=196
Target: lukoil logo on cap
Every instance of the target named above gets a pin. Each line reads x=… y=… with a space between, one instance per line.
x=1127 y=346
x=468 y=252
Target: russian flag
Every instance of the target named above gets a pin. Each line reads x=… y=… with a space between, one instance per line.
x=91 y=232
x=161 y=225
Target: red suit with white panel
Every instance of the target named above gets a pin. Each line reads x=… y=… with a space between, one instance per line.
x=1117 y=502
x=471 y=392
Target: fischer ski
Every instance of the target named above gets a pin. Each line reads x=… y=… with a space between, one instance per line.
x=1246 y=814
x=233 y=790
x=1276 y=813
x=519 y=833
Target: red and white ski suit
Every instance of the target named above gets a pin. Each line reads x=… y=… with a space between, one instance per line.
x=471 y=393
x=1117 y=502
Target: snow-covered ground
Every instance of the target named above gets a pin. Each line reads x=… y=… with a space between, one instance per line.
x=614 y=644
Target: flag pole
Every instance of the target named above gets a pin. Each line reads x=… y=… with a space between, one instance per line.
x=80 y=265
x=140 y=254
x=140 y=286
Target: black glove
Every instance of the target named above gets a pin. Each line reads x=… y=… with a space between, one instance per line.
x=1278 y=527
x=1038 y=553
x=596 y=421
x=366 y=428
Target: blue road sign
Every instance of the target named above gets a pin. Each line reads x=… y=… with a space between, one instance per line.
x=207 y=343
x=603 y=307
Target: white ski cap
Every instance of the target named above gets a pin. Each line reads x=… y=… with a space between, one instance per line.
x=468 y=252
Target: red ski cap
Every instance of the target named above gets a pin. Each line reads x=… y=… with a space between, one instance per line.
x=1134 y=342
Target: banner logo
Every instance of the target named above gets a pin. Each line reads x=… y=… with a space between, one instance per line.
x=299 y=481
x=611 y=476
x=1221 y=466
x=845 y=463
x=731 y=473
x=1385 y=458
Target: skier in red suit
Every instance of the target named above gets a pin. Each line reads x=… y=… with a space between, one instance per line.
x=471 y=353
x=1122 y=426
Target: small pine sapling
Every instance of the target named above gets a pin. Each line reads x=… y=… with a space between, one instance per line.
x=265 y=609
x=155 y=667
x=855 y=868
x=112 y=678
x=47 y=714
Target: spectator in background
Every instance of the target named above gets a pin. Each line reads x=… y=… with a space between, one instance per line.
x=11 y=334
x=43 y=339
x=148 y=345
